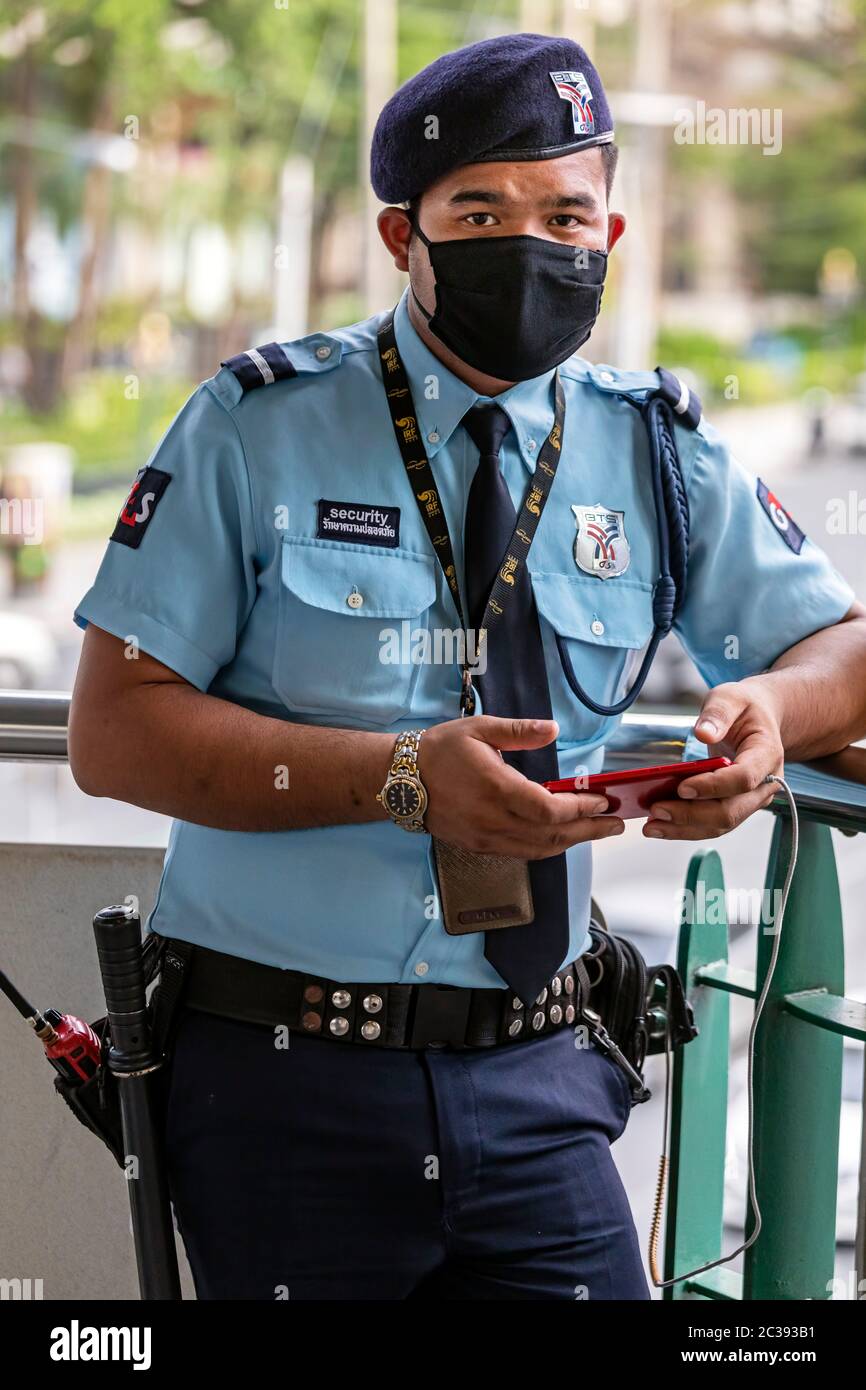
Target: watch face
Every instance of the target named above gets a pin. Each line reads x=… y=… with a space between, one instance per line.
x=403 y=798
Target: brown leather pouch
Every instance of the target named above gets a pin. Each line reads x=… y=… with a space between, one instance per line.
x=479 y=892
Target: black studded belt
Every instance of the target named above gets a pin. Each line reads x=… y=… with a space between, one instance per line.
x=375 y=1015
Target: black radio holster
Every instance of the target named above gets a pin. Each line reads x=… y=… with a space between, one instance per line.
x=96 y=1102
x=635 y=1010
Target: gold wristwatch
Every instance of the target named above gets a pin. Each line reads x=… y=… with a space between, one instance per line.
x=404 y=795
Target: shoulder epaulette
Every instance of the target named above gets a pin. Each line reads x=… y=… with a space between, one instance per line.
x=260 y=366
x=639 y=387
x=682 y=401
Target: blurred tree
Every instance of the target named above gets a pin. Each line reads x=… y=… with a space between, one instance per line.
x=63 y=73
x=174 y=114
x=249 y=85
x=812 y=196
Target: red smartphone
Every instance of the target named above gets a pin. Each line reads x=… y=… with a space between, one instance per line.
x=633 y=791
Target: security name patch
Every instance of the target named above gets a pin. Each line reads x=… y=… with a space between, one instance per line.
x=140 y=506
x=363 y=522
x=782 y=520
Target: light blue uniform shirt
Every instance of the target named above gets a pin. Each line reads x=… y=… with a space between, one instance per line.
x=232 y=588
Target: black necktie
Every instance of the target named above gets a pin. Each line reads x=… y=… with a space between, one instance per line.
x=514 y=685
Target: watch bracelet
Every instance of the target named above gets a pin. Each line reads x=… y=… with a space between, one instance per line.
x=405 y=759
x=406 y=751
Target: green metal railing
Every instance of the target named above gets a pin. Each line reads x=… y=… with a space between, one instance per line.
x=798 y=1045
x=797 y=1078
x=799 y=1042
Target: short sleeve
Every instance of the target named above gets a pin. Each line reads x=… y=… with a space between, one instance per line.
x=178 y=575
x=756 y=585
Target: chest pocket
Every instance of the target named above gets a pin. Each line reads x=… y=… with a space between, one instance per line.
x=341 y=646
x=604 y=624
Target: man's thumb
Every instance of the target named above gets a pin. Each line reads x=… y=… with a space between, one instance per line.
x=719 y=711
x=514 y=733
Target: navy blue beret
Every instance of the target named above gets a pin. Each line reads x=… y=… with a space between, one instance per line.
x=521 y=96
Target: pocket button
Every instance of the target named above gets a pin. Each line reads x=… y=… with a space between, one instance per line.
x=597 y=628
x=355 y=600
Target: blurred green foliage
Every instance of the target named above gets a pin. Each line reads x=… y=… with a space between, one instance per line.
x=110 y=434
x=812 y=196
x=785 y=366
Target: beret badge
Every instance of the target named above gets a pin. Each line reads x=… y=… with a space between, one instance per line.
x=574 y=88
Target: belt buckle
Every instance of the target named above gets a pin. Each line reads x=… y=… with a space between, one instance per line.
x=441 y=1015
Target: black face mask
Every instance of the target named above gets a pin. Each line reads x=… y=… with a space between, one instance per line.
x=513 y=306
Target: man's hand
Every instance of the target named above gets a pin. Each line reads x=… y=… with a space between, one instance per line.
x=741 y=720
x=480 y=803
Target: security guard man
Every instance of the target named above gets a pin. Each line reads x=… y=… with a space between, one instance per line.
x=376 y=1091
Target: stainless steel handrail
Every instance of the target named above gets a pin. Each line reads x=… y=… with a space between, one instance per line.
x=33 y=727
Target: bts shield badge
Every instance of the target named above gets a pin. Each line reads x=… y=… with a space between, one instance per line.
x=600 y=547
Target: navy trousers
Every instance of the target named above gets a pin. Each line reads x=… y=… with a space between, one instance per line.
x=329 y=1171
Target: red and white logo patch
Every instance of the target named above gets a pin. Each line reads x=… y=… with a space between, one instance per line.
x=140 y=506
x=782 y=520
